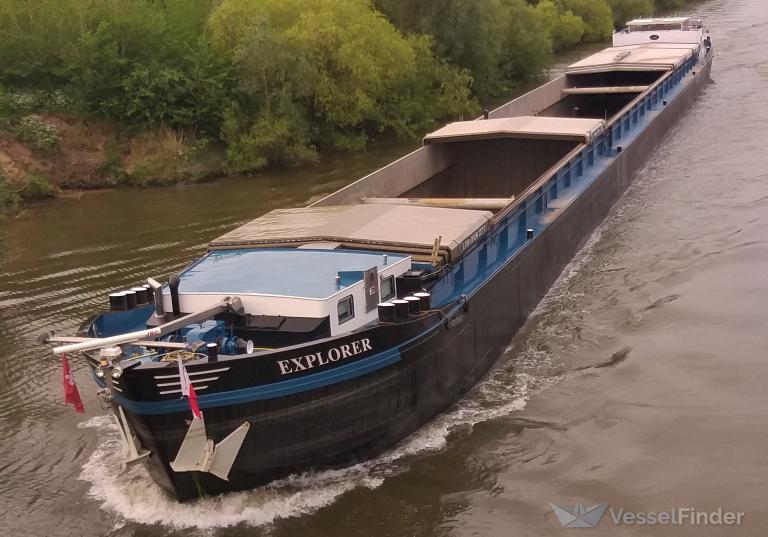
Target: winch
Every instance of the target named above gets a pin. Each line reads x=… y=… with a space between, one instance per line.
x=213 y=331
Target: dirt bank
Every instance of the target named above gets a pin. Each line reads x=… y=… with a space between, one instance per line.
x=44 y=154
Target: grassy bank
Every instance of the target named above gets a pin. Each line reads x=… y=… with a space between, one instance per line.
x=99 y=93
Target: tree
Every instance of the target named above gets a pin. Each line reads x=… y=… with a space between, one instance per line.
x=625 y=10
x=670 y=4
x=500 y=42
x=326 y=73
x=149 y=63
x=526 y=46
x=469 y=35
x=433 y=90
x=34 y=38
x=564 y=28
x=596 y=14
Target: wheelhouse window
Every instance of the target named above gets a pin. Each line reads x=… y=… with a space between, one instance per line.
x=345 y=309
x=387 y=288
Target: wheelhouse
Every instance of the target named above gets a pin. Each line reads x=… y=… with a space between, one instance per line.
x=660 y=30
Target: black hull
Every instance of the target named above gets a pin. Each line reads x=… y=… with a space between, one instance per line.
x=356 y=419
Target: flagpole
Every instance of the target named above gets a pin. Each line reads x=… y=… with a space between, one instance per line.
x=188 y=390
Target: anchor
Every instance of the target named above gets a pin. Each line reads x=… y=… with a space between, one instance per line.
x=133 y=453
x=198 y=453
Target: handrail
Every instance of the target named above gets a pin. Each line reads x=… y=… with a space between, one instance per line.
x=542 y=180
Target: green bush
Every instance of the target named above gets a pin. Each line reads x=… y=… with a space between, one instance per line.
x=335 y=71
x=9 y=199
x=563 y=27
x=468 y=35
x=112 y=169
x=14 y=104
x=37 y=187
x=670 y=4
x=280 y=138
x=325 y=74
x=596 y=14
x=527 y=48
x=488 y=39
x=35 y=130
x=625 y=10
x=58 y=101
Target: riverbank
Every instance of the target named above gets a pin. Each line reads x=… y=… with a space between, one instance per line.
x=50 y=153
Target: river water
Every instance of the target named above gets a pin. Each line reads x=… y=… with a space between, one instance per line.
x=640 y=381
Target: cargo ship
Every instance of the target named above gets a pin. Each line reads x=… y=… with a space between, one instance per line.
x=319 y=336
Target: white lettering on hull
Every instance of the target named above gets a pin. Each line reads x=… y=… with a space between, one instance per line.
x=334 y=354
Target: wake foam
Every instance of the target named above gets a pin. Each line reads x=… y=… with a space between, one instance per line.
x=134 y=497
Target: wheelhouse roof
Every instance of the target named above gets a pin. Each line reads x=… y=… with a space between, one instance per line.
x=386 y=228
x=537 y=127
x=646 y=57
x=286 y=272
x=658 y=20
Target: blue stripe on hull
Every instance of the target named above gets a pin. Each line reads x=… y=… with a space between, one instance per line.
x=268 y=391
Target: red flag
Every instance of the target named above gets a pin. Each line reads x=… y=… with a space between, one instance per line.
x=71 y=395
x=187 y=390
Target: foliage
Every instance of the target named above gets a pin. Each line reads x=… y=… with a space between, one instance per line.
x=467 y=34
x=8 y=197
x=38 y=132
x=596 y=14
x=37 y=186
x=479 y=37
x=283 y=137
x=14 y=104
x=112 y=166
x=625 y=10
x=148 y=63
x=563 y=27
x=431 y=90
x=32 y=40
x=527 y=47
x=325 y=73
x=670 y=4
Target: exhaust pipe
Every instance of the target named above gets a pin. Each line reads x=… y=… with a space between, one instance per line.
x=173 y=283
